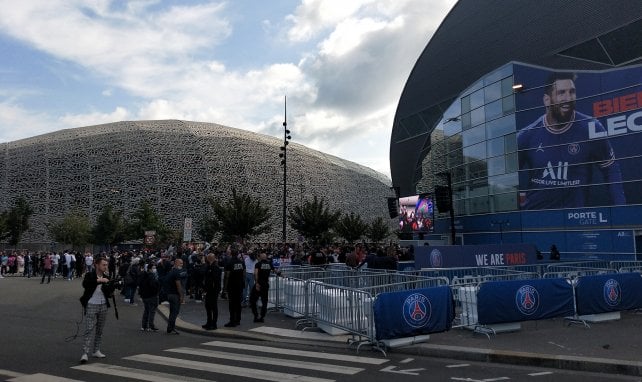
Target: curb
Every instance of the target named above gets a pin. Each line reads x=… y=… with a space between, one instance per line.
x=587 y=364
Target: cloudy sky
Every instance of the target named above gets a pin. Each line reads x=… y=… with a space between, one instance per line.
x=341 y=63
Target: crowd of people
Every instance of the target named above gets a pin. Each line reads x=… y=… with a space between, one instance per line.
x=66 y=264
x=237 y=273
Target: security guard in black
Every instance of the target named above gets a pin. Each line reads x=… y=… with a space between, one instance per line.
x=262 y=271
x=234 y=285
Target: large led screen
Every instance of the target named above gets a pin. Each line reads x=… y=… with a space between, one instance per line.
x=578 y=135
x=416 y=213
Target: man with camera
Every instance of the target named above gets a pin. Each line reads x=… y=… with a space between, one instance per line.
x=95 y=301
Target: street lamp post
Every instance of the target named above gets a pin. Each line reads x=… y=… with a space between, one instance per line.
x=449 y=200
x=284 y=162
x=501 y=224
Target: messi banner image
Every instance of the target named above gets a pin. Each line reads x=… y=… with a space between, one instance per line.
x=412 y=313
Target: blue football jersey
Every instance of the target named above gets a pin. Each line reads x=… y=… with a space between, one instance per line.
x=556 y=167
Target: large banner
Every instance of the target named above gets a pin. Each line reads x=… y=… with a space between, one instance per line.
x=524 y=300
x=608 y=293
x=579 y=137
x=413 y=313
x=490 y=255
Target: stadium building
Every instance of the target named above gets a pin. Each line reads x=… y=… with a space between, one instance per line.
x=176 y=166
x=532 y=111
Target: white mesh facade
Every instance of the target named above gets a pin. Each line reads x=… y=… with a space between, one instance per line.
x=175 y=165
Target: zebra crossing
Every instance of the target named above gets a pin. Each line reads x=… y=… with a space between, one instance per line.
x=245 y=361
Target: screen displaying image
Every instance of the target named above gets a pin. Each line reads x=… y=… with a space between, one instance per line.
x=416 y=213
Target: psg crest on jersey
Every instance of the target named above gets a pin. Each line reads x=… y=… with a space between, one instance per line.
x=527 y=300
x=612 y=292
x=417 y=310
x=435 y=258
x=573 y=148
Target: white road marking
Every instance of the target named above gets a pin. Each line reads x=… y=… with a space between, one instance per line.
x=329 y=368
x=542 y=373
x=391 y=369
x=458 y=365
x=407 y=360
x=41 y=378
x=243 y=372
x=143 y=375
x=10 y=373
x=300 y=353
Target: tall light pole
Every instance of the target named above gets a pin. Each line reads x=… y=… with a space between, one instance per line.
x=284 y=162
x=501 y=224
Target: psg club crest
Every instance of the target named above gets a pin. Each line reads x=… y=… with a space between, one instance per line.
x=612 y=292
x=416 y=310
x=527 y=300
x=573 y=148
x=435 y=258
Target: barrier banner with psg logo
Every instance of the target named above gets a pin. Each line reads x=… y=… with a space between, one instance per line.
x=524 y=300
x=412 y=313
x=608 y=293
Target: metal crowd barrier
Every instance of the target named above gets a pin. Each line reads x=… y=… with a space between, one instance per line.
x=573 y=272
x=626 y=266
x=349 y=308
x=276 y=293
x=465 y=283
x=470 y=275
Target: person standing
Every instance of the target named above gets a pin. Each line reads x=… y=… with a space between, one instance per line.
x=148 y=287
x=46 y=266
x=174 y=285
x=70 y=260
x=212 y=281
x=250 y=261
x=234 y=285
x=55 y=261
x=555 y=253
x=89 y=262
x=262 y=272
x=95 y=302
x=29 y=260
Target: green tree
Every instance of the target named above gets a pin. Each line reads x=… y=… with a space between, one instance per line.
x=16 y=221
x=110 y=227
x=313 y=220
x=74 y=229
x=240 y=217
x=145 y=218
x=351 y=227
x=378 y=230
x=208 y=228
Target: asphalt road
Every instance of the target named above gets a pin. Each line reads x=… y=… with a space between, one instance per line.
x=37 y=344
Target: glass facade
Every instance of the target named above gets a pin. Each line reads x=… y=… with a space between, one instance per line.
x=475 y=141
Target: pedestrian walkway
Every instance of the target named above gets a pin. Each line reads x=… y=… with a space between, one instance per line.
x=612 y=346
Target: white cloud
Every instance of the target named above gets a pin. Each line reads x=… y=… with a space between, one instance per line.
x=95 y=118
x=341 y=95
x=20 y=123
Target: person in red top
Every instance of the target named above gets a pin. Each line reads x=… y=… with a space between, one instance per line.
x=47 y=266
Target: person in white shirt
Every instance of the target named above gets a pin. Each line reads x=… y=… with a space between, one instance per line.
x=89 y=262
x=250 y=261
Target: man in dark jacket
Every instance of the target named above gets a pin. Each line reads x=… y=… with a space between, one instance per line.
x=212 y=281
x=148 y=288
x=95 y=302
x=234 y=285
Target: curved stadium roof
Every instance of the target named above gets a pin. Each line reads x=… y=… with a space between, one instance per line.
x=477 y=37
